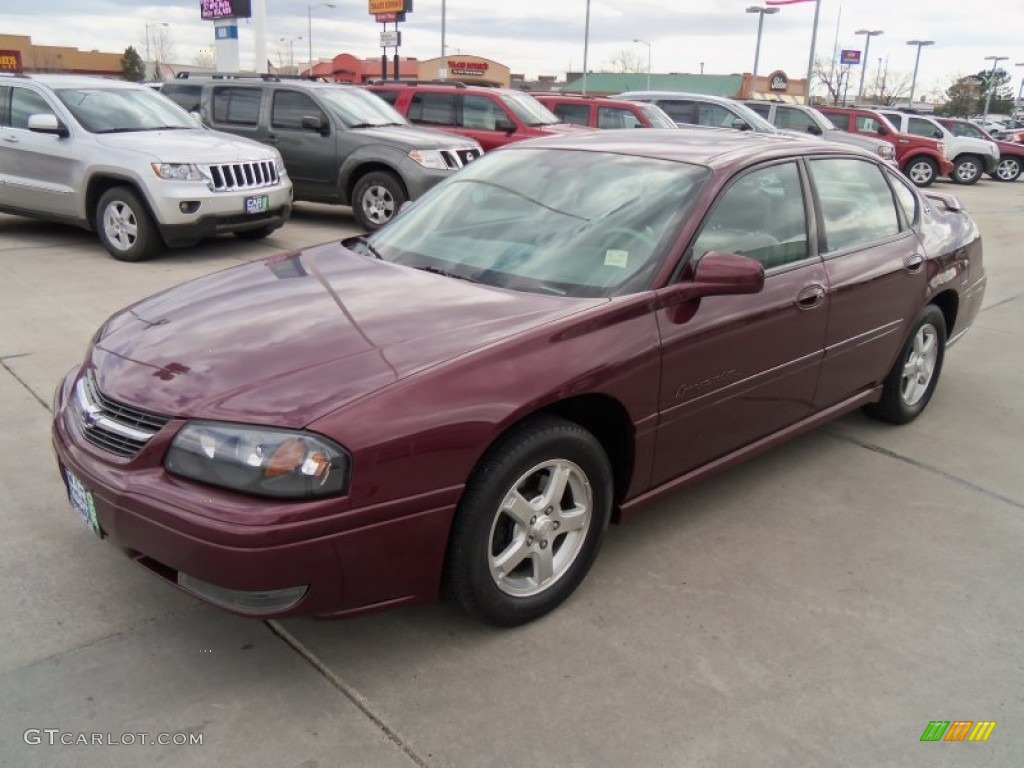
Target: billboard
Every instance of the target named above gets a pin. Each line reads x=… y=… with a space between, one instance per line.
x=225 y=9
x=390 y=6
x=849 y=56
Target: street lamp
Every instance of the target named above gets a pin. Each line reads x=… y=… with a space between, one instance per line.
x=917 y=60
x=644 y=42
x=291 y=50
x=1020 y=91
x=757 y=49
x=586 y=46
x=309 y=29
x=991 y=80
x=148 y=25
x=864 y=61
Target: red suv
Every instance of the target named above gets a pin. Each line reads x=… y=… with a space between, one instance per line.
x=597 y=112
x=492 y=116
x=921 y=159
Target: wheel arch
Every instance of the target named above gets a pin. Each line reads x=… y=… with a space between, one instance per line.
x=98 y=186
x=948 y=303
x=356 y=174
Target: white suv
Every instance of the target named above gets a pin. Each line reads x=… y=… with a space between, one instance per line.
x=117 y=158
x=970 y=157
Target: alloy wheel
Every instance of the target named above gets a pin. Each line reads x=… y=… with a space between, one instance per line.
x=120 y=225
x=919 y=366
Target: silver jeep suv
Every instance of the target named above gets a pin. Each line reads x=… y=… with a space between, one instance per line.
x=117 y=158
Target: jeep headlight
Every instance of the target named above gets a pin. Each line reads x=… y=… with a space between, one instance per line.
x=263 y=461
x=177 y=171
x=429 y=158
x=886 y=151
x=282 y=172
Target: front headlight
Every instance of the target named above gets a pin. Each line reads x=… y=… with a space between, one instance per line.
x=886 y=151
x=429 y=158
x=282 y=172
x=263 y=461
x=177 y=171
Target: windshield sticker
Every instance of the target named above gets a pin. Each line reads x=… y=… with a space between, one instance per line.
x=616 y=258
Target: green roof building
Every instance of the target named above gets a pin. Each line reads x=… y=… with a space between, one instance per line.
x=610 y=83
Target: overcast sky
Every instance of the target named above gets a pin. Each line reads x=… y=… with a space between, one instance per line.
x=537 y=37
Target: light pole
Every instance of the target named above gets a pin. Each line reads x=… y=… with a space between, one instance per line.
x=757 y=49
x=586 y=45
x=991 y=78
x=1020 y=91
x=291 y=51
x=917 y=60
x=148 y=25
x=869 y=33
x=644 y=42
x=309 y=29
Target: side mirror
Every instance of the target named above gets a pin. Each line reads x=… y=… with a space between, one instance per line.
x=47 y=124
x=882 y=131
x=938 y=134
x=717 y=274
x=740 y=125
x=504 y=124
x=314 y=123
x=814 y=130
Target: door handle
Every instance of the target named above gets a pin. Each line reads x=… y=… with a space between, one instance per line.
x=913 y=263
x=272 y=139
x=810 y=296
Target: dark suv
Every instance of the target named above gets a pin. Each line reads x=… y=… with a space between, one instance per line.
x=340 y=144
x=492 y=116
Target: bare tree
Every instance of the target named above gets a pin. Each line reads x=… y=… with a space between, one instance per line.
x=204 y=59
x=161 y=45
x=835 y=77
x=889 y=88
x=626 y=61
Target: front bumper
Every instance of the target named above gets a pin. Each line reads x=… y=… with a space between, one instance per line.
x=340 y=561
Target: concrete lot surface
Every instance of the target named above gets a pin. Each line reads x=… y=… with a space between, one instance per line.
x=816 y=607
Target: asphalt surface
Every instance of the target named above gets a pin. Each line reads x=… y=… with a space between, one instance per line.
x=816 y=607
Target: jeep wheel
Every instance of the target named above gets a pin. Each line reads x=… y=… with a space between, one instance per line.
x=125 y=227
x=922 y=171
x=1008 y=169
x=376 y=199
x=966 y=170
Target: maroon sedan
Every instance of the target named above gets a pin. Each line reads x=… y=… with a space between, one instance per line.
x=559 y=334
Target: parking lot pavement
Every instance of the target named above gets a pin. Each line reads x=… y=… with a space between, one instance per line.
x=818 y=606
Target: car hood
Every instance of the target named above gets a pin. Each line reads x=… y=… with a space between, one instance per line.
x=188 y=145
x=292 y=338
x=417 y=138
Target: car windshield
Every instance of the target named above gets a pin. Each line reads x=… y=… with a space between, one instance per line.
x=528 y=109
x=657 y=116
x=565 y=222
x=359 y=108
x=120 y=110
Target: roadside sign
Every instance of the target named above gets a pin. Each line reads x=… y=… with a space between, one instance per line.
x=389 y=18
x=849 y=56
x=390 y=39
x=390 y=6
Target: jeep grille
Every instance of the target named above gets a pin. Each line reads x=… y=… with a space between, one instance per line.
x=228 y=177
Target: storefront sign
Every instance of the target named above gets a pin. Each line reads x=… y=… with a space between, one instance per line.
x=390 y=6
x=777 y=81
x=10 y=61
x=477 y=68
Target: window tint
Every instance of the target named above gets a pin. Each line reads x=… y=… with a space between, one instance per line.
x=185 y=96
x=965 y=129
x=240 y=106
x=920 y=127
x=577 y=114
x=290 y=107
x=856 y=204
x=762 y=216
x=906 y=198
x=433 y=108
x=680 y=111
x=762 y=109
x=24 y=103
x=483 y=114
x=866 y=124
x=717 y=116
x=616 y=117
x=839 y=122
x=794 y=119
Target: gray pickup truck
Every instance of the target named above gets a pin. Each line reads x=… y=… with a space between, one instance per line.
x=340 y=143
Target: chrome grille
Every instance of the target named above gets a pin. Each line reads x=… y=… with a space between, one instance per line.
x=456 y=158
x=113 y=426
x=229 y=177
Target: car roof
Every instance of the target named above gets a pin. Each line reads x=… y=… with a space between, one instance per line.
x=76 y=81
x=714 y=149
x=674 y=95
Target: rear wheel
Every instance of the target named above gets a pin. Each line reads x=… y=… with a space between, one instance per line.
x=1008 y=169
x=530 y=522
x=912 y=380
x=922 y=171
x=376 y=199
x=125 y=227
x=967 y=170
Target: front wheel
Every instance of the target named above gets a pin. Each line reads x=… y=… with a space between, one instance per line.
x=1008 y=169
x=967 y=170
x=530 y=522
x=376 y=199
x=922 y=171
x=912 y=380
x=125 y=227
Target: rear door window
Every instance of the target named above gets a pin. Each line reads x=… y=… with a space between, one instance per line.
x=857 y=205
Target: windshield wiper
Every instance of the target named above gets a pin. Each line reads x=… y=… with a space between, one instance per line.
x=444 y=273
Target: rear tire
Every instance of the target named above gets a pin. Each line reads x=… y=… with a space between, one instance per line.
x=915 y=374
x=922 y=171
x=1008 y=169
x=967 y=170
x=125 y=227
x=530 y=522
x=376 y=199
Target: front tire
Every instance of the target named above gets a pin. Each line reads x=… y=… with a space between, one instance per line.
x=915 y=374
x=922 y=171
x=125 y=227
x=530 y=522
x=1008 y=169
x=376 y=199
x=967 y=170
